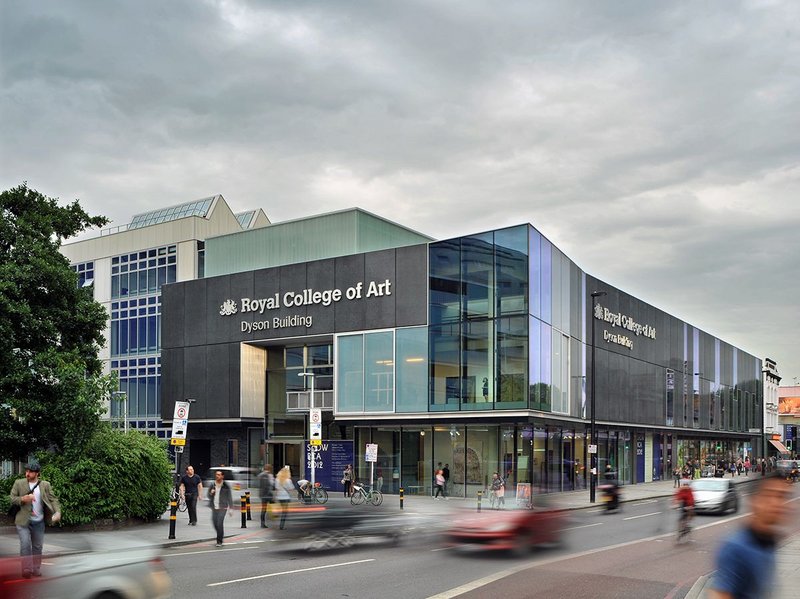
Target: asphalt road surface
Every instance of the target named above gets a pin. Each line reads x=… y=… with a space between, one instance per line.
x=628 y=554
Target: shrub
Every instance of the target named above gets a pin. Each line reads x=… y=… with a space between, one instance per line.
x=116 y=476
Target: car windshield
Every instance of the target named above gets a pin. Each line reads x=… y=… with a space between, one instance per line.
x=709 y=485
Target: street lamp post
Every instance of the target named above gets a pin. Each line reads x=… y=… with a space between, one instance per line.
x=310 y=407
x=593 y=432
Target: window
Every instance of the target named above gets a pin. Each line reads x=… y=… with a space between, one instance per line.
x=85 y=272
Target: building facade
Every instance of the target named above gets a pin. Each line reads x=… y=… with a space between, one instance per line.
x=126 y=267
x=772 y=429
x=474 y=352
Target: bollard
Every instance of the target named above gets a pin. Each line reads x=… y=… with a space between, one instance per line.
x=402 y=493
x=480 y=495
x=247 y=500
x=244 y=511
x=173 y=516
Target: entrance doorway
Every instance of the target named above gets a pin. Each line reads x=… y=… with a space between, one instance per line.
x=286 y=453
x=200 y=455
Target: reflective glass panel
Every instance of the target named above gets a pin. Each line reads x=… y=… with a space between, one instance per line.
x=411 y=358
x=477 y=267
x=350 y=374
x=379 y=372
x=445 y=382
x=511 y=259
x=477 y=383
x=512 y=362
x=445 y=281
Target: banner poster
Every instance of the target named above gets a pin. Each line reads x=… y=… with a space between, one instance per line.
x=332 y=457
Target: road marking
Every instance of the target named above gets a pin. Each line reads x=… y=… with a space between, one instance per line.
x=645 y=502
x=583 y=526
x=476 y=584
x=251 y=542
x=206 y=551
x=642 y=516
x=361 y=561
x=441 y=549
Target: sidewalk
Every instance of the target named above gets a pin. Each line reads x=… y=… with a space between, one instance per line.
x=157 y=533
x=787 y=573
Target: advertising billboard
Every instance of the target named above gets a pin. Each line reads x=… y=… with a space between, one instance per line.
x=789 y=406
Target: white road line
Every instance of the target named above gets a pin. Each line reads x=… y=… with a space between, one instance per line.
x=644 y=502
x=642 y=516
x=251 y=542
x=441 y=549
x=583 y=526
x=205 y=551
x=361 y=561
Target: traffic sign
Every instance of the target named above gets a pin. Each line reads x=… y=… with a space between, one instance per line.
x=180 y=420
x=179 y=449
x=592 y=448
x=315 y=424
x=316 y=441
x=174 y=441
x=371 y=454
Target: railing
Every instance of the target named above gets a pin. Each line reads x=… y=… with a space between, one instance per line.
x=297 y=401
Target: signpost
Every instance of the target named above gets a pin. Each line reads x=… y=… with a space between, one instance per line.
x=371 y=456
x=315 y=437
x=180 y=424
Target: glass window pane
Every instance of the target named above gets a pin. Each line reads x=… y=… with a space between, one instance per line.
x=477 y=384
x=512 y=367
x=445 y=380
x=379 y=372
x=477 y=267
x=133 y=346
x=445 y=281
x=123 y=337
x=411 y=357
x=546 y=281
x=152 y=341
x=319 y=355
x=294 y=357
x=142 y=335
x=534 y=339
x=535 y=273
x=171 y=273
x=511 y=259
x=545 y=373
x=350 y=374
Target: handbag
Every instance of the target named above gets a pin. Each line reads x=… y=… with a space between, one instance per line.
x=15 y=509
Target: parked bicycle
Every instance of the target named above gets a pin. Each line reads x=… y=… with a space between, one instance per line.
x=177 y=495
x=362 y=493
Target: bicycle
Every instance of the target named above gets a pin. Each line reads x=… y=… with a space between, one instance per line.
x=361 y=494
x=315 y=494
x=177 y=495
x=684 y=526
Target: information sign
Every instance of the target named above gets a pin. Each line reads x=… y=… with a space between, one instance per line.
x=371 y=453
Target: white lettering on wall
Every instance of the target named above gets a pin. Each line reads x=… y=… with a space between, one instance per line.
x=618 y=319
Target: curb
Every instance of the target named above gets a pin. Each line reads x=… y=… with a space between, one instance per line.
x=698 y=588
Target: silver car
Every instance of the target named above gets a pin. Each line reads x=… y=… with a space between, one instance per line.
x=107 y=565
x=714 y=495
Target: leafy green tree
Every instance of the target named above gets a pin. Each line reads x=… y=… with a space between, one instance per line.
x=51 y=383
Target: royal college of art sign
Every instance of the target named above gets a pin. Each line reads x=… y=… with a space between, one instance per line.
x=617 y=319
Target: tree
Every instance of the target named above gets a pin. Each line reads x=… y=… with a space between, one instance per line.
x=51 y=383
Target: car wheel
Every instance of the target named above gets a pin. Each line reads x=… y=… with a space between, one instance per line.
x=735 y=507
x=108 y=595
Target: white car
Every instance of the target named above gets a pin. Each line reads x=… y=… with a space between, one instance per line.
x=714 y=495
x=107 y=565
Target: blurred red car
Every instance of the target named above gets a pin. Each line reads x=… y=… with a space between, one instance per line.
x=515 y=530
x=12 y=584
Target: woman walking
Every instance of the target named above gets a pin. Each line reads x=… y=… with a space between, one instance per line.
x=439 y=484
x=283 y=489
x=347 y=480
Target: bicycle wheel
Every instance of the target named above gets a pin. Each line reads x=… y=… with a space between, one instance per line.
x=376 y=498
x=182 y=504
x=357 y=498
x=320 y=495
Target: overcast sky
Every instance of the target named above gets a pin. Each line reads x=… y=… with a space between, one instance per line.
x=656 y=143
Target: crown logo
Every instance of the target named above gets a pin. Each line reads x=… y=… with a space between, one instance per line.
x=598 y=311
x=228 y=308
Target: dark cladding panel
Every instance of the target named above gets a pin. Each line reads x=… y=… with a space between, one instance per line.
x=171 y=381
x=349 y=314
x=379 y=297
x=194 y=316
x=195 y=381
x=242 y=285
x=219 y=329
x=234 y=379
x=217 y=396
x=411 y=285
x=320 y=276
x=172 y=310
x=293 y=282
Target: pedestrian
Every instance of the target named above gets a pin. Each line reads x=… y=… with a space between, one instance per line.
x=763 y=466
x=676 y=477
x=347 y=480
x=380 y=480
x=283 y=489
x=191 y=488
x=446 y=474
x=747 y=466
x=499 y=490
x=746 y=560
x=266 y=489
x=37 y=506
x=439 y=484
x=220 y=500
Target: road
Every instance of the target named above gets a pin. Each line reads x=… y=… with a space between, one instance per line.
x=628 y=554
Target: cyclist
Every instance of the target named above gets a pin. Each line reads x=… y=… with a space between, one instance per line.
x=684 y=498
x=303 y=490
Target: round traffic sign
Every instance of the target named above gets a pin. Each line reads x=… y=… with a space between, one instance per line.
x=181 y=413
